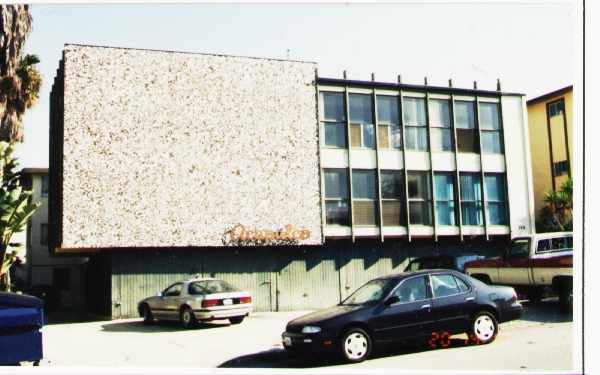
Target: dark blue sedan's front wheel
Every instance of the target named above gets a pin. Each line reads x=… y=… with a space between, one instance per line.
x=484 y=327
x=355 y=345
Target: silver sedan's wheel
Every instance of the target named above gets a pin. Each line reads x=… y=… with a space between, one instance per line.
x=188 y=320
x=484 y=327
x=356 y=345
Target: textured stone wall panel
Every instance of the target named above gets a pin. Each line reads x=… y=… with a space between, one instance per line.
x=171 y=149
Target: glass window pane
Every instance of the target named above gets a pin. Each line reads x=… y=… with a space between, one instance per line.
x=333 y=105
x=466 y=140
x=470 y=195
x=490 y=142
x=361 y=109
x=414 y=111
x=336 y=183
x=355 y=135
x=391 y=184
x=335 y=134
x=461 y=284
x=488 y=116
x=396 y=136
x=494 y=186
x=336 y=212
x=392 y=213
x=444 y=186
x=363 y=184
x=416 y=138
x=443 y=285
x=383 y=136
x=420 y=212
x=364 y=213
x=465 y=114
x=411 y=290
x=497 y=213
x=439 y=113
x=441 y=139
x=444 y=212
x=418 y=185
x=472 y=213
x=387 y=109
x=369 y=136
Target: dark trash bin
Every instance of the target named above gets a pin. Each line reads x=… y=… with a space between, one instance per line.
x=21 y=318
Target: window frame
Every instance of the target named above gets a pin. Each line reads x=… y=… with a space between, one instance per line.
x=482 y=210
x=488 y=200
x=552 y=250
x=453 y=278
x=45 y=188
x=164 y=294
x=388 y=125
x=474 y=129
x=338 y=122
x=400 y=199
x=498 y=131
x=428 y=201
x=361 y=125
x=452 y=175
x=415 y=125
x=374 y=200
x=330 y=199
x=441 y=128
x=427 y=286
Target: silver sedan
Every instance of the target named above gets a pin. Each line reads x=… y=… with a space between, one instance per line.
x=200 y=299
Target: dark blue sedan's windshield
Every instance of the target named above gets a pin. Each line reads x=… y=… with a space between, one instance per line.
x=371 y=292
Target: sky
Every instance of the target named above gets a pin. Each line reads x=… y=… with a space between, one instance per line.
x=529 y=46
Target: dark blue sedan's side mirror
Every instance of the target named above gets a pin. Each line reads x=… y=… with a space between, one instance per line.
x=390 y=301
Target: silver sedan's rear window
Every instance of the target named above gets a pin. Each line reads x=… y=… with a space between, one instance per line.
x=211 y=287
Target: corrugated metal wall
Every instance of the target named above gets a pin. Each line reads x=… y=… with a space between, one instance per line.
x=279 y=278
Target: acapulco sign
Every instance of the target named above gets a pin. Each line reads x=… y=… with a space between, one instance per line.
x=288 y=235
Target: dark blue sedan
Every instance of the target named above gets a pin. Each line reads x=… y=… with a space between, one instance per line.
x=430 y=305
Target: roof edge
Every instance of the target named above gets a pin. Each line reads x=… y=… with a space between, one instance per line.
x=549 y=95
x=187 y=53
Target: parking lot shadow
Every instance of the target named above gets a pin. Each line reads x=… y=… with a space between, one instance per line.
x=546 y=311
x=279 y=358
x=164 y=326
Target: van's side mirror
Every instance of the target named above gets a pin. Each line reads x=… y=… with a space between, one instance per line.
x=390 y=301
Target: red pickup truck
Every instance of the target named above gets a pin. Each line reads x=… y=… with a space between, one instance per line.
x=532 y=265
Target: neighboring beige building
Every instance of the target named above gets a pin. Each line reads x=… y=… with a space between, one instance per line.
x=43 y=268
x=550 y=136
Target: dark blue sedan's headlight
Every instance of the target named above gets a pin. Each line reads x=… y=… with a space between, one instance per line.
x=311 y=329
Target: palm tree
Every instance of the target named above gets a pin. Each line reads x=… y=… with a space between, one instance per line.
x=559 y=204
x=20 y=81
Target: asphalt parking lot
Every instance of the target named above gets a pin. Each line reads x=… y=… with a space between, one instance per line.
x=540 y=341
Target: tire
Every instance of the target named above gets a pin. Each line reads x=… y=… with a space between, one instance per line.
x=535 y=295
x=565 y=299
x=187 y=318
x=483 y=327
x=236 y=319
x=355 y=345
x=146 y=314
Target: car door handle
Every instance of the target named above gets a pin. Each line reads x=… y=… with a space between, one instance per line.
x=470 y=299
x=427 y=306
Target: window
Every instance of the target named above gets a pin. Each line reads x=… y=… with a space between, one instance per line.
x=561 y=168
x=45 y=186
x=489 y=120
x=519 y=248
x=361 y=121
x=555 y=244
x=462 y=286
x=336 y=196
x=211 y=287
x=411 y=290
x=369 y=293
x=496 y=198
x=419 y=198
x=466 y=133
x=334 y=119
x=415 y=124
x=444 y=198
x=44 y=234
x=173 y=290
x=439 y=120
x=389 y=132
x=364 y=197
x=470 y=199
x=556 y=108
x=61 y=278
x=392 y=193
x=444 y=285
